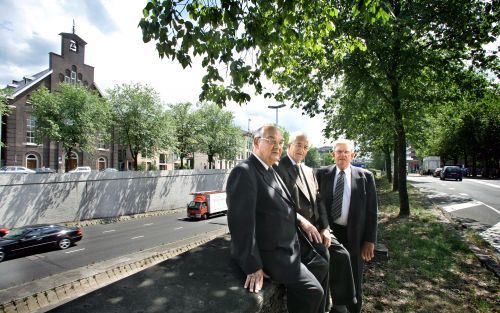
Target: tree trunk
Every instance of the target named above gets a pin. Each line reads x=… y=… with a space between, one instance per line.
x=211 y=161
x=136 y=167
x=66 y=159
x=395 y=181
x=404 y=204
x=182 y=163
x=388 y=165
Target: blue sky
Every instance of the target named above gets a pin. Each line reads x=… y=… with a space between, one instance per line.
x=29 y=31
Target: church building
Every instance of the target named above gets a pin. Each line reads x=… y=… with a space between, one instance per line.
x=18 y=129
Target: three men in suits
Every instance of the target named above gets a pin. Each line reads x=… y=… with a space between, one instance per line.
x=301 y=183
x=263 y=225
x=351 y=208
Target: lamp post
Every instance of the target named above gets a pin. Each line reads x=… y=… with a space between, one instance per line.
x=277 y=107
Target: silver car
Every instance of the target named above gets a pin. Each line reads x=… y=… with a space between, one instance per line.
x=15 y=170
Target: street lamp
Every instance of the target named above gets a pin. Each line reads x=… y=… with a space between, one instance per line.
x=276 y=107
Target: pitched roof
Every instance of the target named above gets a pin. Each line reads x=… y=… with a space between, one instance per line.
x=17 y=87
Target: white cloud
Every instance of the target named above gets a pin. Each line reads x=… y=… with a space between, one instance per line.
x=115 y=49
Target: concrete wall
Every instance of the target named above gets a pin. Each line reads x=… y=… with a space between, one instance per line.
x=56 y=198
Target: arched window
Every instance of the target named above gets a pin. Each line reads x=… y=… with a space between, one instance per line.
x=31 y=161
x=101 y=163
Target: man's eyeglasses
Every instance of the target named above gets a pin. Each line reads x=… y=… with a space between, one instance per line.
x=342 y=151
x=273 y=141
x=301 y=146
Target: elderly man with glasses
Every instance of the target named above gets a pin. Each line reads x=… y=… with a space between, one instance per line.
x=263 y=225
x=302 y=184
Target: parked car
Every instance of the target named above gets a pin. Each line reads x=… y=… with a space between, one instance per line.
x=81 y=169
x=437 y=172
x=3 y=231
x=451 y=172
x=28 y=239
x=44 y=170
x=16 y=170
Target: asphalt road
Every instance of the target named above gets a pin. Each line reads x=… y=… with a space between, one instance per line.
x=472 y=199
x=105 y=242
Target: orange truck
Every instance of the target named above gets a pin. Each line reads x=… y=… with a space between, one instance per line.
x=207 y=203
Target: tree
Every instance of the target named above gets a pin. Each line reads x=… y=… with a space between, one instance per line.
x=3 y=110
x=140 y=120
x=219 y=135
x=306 y=46
x=313 y=158
x=74 y=116
x=3 y=103
x=188 y=125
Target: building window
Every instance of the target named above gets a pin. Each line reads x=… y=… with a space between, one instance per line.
x=30 y=129
x=163 y=162
x=31 y=161
x=73 y=77
x=101 y=145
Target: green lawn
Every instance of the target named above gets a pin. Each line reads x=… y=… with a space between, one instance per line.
x=430 y=268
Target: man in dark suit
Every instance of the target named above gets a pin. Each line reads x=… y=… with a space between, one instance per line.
x=301 y=183
x=263 y=226
x=349 y=196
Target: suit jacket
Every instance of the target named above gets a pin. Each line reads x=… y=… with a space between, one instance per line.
x=262 y=222
x=363 y=207
x=304 y=193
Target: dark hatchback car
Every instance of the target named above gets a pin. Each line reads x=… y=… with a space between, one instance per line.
x=28 y=239
x=451 y=172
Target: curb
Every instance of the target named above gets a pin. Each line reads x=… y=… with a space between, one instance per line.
x=44 y=300
x=486 y=260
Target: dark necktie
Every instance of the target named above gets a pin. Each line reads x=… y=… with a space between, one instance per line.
x=297 y=170
x=337 y=196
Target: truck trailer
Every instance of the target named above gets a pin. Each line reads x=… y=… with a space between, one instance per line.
x=206 y=204
x=429 y=164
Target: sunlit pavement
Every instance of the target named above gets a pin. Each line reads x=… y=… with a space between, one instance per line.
x=461 y=206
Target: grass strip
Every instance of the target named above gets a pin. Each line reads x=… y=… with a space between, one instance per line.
x=430 y=268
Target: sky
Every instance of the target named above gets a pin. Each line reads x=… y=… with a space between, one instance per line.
x=29 y=30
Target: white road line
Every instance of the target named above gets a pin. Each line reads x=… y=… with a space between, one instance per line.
x=484 y=183
x=178 y=228
x=136 y=237
x=148 y=224
x=489 y=206
x=451 y=188
x=108 y=231
x=454 y=207
x=463 y=194
x=73 y=251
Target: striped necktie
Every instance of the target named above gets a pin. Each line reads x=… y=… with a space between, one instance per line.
x=338 y=194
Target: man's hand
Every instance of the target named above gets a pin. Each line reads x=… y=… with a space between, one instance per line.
x=255 y=281
x=327 y=237
x=367 y=251
x=311 y=231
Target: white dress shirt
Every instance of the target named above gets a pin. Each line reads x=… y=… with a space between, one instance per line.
x=346 y=199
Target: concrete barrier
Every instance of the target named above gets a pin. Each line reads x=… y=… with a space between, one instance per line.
x=57 y=198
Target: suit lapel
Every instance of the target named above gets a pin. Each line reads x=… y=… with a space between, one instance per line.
x=271 y=181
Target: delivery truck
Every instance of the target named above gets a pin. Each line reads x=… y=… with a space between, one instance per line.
x=206 y=204
x=429 y=164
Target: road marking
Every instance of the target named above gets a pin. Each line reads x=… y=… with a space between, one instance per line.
x=489 y=206
x=149 y=224
x=463 y=194
x=136 y=237
x=484 y=183
x=72 y=251
x=454 y=207
x=35 y=257
x=108 y=231
x=451 y=188
x=178 y=228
